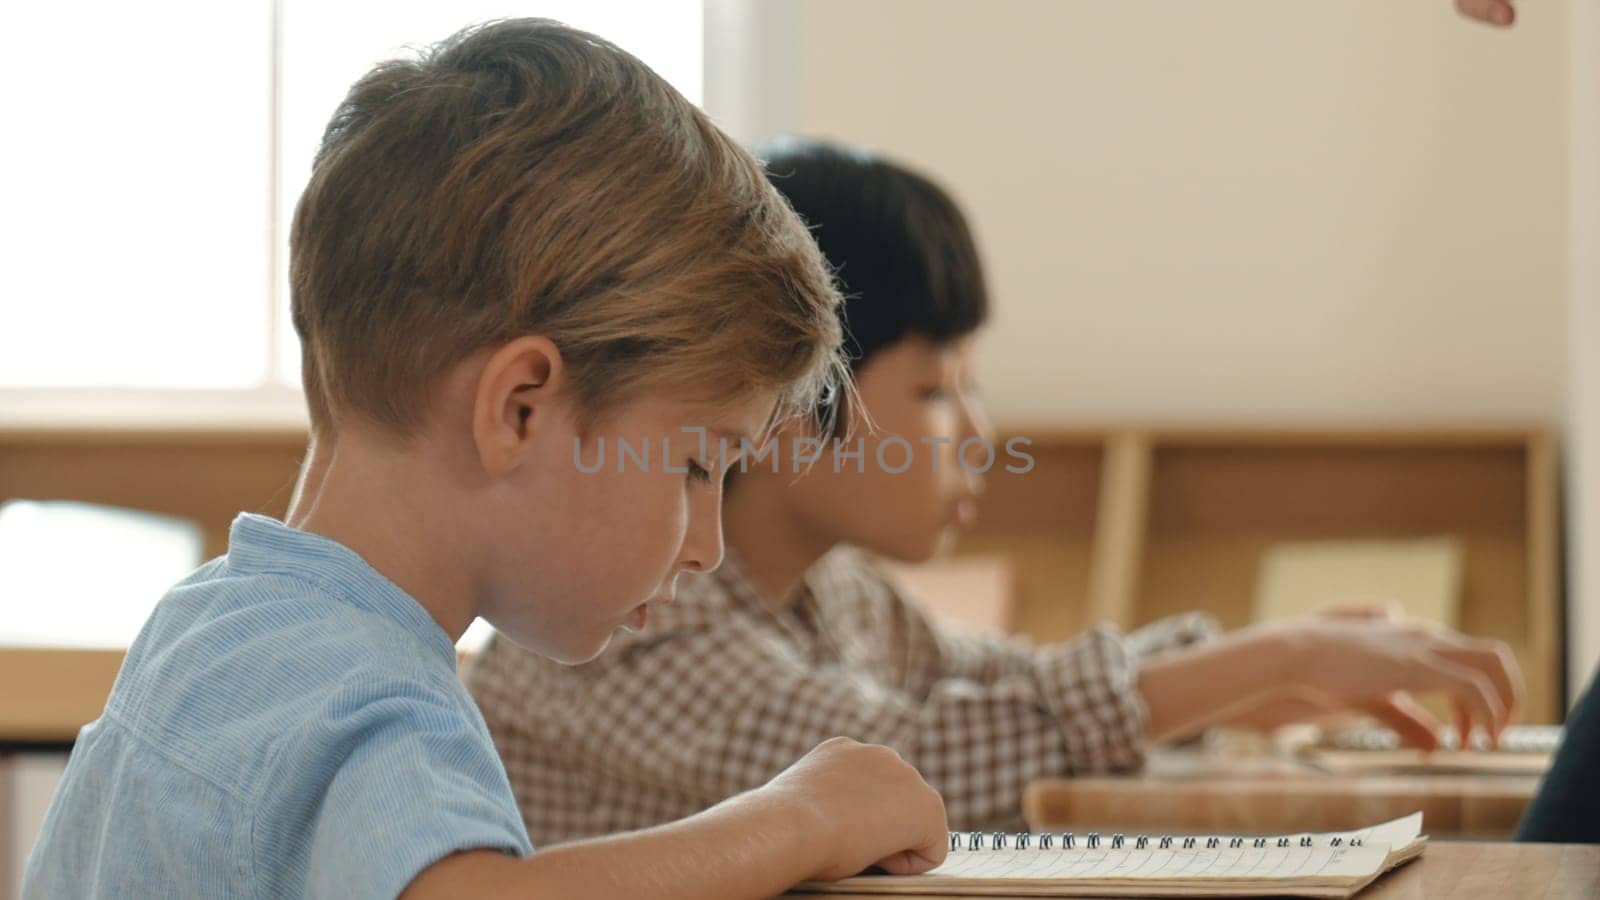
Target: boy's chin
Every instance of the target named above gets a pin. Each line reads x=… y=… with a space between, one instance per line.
x=570 y=651
x=919 y=549
x=577 y=656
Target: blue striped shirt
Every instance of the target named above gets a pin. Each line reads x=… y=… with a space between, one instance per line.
x=288 y=723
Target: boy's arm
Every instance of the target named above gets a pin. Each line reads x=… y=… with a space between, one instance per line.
x=987 y=658
x=937 y=652
x=842 y=808
x=1364 y=661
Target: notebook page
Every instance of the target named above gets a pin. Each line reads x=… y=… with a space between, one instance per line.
x=1393 y=834
x=1240 y=863
x=1283 y=857
x=1396 y=833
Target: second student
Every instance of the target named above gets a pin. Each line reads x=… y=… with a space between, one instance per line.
x=799 y=637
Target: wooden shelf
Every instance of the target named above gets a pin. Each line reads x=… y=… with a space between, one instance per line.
x=205 y=476
x=1183 y=515
x=1121 y=523
x=1045 y=523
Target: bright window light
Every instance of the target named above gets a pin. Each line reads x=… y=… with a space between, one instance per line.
x=156 y=154
x=138 y=195
x=63 y=603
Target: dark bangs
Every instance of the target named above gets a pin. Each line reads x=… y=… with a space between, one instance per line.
x=899 y=247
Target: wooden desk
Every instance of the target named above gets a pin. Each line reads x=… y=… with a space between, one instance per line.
x=1463 y=871
x=1180 y=794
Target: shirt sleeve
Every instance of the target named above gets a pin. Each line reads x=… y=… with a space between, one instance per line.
x=1173 y=633
x=1562 y=811
x=1088 y=686
x=395 y=776
x=724 y=707
x=936 y=651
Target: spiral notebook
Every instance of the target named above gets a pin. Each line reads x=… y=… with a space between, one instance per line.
x=1339 y=864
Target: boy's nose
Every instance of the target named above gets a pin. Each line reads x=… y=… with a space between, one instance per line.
x=702 y=546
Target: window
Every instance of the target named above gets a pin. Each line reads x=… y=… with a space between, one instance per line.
x=160 y=152
x=137 y=195
x=62 y=602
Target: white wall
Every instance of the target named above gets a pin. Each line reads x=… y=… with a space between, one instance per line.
x=1245 y=209
x=1583 y=434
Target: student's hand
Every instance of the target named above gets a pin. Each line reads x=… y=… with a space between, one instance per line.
x=1494 y=12
x=871 y=809
x=1415 y=726
x=842 y=808
x=1373 y=663
x=1273 y=674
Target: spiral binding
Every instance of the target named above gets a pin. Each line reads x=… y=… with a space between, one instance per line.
x=1024 y=840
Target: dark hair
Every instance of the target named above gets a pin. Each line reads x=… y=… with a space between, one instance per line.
x=899 y=246
x=523 y=177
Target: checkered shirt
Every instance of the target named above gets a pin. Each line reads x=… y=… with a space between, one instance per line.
x=720 y=692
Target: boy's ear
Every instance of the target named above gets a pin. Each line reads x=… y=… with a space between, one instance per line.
x=517 y=392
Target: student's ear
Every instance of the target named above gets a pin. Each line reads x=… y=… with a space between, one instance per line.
x=517 y=393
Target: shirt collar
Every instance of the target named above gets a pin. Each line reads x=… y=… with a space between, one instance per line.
x=263 y=544
x=736 y=580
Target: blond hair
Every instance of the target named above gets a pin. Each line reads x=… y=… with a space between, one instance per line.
x=523 y=177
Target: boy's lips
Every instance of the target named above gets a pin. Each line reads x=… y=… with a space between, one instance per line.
x=641 y=613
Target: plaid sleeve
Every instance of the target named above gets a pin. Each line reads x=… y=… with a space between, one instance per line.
x=936 y=651
x=719 y=711
x=722 y=709
x=1173 y=633
x=1089 y=685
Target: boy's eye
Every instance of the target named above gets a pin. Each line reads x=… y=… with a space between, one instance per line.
x=934 y=393
x=699 y=473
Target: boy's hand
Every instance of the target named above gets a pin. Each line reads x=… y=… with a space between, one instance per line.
x=1365 y=662
x=1372 y=663
x=842 y=808
x=1494 y=12
x=1368 y=662
x=871 y=808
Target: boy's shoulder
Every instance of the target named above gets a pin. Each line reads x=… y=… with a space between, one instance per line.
x=275 y=718
x=237 y=660
x=847 y=570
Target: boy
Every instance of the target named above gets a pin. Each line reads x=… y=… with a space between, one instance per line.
x=798 y=636
x=511 y=249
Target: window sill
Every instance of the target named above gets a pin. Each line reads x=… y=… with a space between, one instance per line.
x=55 y=409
